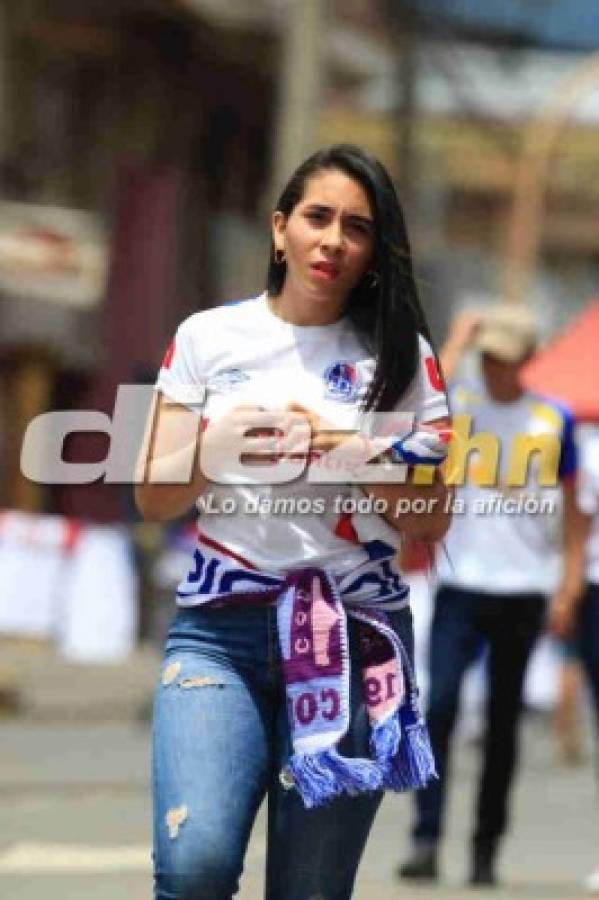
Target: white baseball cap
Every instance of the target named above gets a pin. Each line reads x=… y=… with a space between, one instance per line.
x=507 y=332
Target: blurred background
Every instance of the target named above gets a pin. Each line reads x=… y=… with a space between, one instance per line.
x=142 y=145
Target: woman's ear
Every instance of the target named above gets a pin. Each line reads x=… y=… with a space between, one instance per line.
x=278 y=224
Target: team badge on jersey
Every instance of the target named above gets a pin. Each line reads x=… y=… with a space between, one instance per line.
x=342 y=382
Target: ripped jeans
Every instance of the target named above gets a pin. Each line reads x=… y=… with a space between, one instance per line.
x=220 y=740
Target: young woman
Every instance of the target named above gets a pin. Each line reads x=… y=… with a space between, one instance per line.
x=288 y=666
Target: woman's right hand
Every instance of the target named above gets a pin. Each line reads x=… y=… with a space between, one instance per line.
x=252 y=436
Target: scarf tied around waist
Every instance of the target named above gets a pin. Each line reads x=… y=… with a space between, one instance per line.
x=313 y=638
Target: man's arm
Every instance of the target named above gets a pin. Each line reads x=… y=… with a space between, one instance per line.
x=459 y=338
x=576 y=526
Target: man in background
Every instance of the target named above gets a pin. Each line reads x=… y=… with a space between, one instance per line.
x=495 y=577
x=576 y=618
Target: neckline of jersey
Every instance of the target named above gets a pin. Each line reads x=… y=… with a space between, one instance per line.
x=276 y=321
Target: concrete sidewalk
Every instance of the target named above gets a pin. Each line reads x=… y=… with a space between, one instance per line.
x=37 y=684
x=81 y=790
x=78 y=736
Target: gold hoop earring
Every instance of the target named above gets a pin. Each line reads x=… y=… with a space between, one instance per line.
x=279 y=257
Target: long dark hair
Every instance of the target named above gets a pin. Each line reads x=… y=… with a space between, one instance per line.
x=386 y=310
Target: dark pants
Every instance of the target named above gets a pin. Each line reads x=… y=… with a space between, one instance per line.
x=462 y=621
x=588 y=640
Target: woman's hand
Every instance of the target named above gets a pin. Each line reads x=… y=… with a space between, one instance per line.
x=179 y=458
x=422 y=511
x=267 y=437
x=427 y=445
x=325 y=436
x=241 y=427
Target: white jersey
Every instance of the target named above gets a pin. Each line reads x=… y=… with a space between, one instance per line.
x=588 y=493
x=242 y=354
x=506 y=539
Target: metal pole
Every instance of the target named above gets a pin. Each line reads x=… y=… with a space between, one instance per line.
x=3 y=76
x=405 y=26
x=300 y=89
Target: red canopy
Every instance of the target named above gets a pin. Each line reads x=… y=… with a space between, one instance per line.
x=567 y=369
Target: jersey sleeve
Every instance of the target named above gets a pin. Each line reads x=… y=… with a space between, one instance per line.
x=180 y=377
x=426 y=396
x=588 y=493
x=588 y=476
x=568 y=459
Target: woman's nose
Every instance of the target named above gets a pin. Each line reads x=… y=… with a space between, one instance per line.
x=333 y=236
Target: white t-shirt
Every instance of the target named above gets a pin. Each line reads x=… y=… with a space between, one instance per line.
x=35 y=555
x=242 y=354
x=506 y=539
x=588 y=493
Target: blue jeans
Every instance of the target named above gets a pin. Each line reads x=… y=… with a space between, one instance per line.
x=220 y=740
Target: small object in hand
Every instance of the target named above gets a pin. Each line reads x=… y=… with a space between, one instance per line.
x=424 y=446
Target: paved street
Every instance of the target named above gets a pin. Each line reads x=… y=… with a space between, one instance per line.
x=74 y=816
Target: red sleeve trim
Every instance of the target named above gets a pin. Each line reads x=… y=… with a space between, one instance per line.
x=168 y=356
x=434 y=376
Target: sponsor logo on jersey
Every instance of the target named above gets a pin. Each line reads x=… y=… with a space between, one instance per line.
x=231 y=378
x=342 y=382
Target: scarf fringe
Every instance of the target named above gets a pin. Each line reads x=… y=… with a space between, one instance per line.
x=385 y=739
x=403 y=762
x=413 y=766
x=320 y=777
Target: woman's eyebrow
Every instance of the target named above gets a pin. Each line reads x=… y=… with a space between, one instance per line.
x=322 y=207
x=358 y=218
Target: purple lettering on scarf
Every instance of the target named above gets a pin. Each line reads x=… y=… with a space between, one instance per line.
x=382 y=678
x=312 y=704
x=306 y=708
x=315 y=639
x=331 y=704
